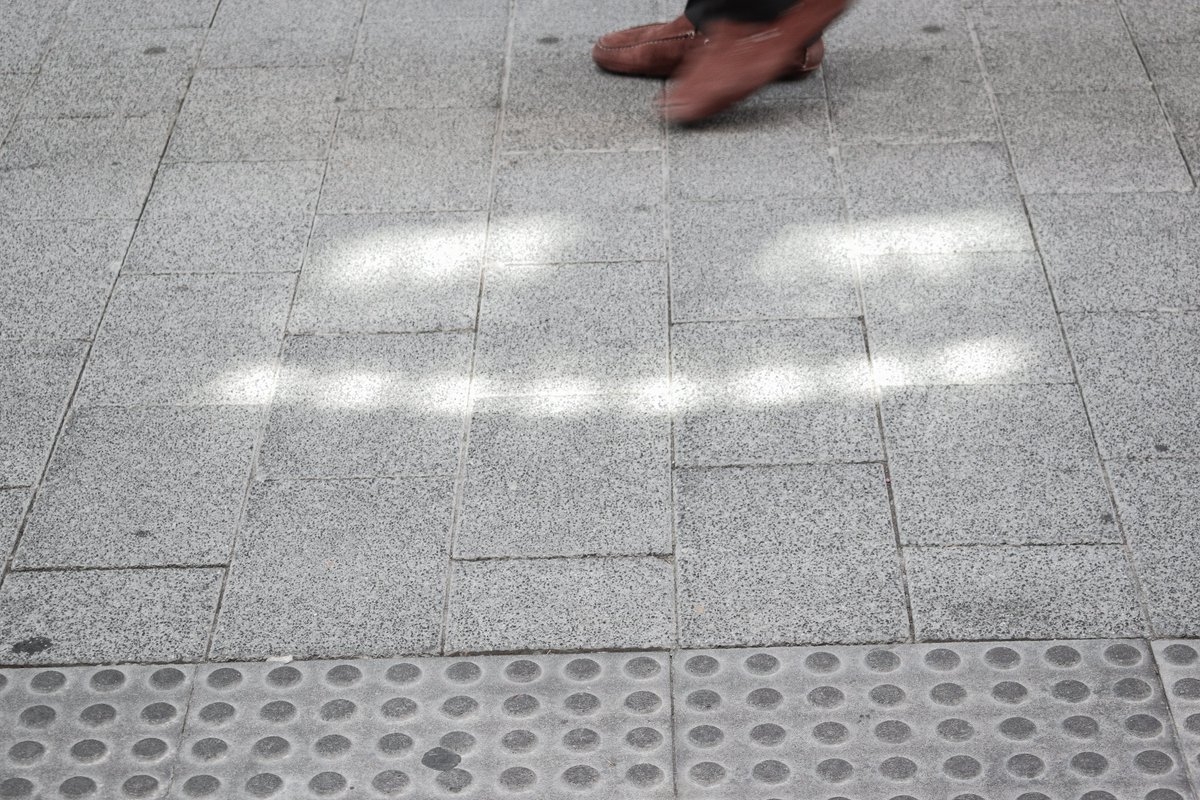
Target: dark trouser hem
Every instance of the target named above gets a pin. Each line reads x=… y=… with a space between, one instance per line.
x=701 y=11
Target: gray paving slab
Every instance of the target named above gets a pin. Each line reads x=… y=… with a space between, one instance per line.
x=1175 y=68
x=566 y=477
x=80 y=168
x=1158 y=506
x=1135 y=370
x=26 y=31
x=227 y=218
x=772 y=393
x=1057 y=47
x=753 y=152
x=1078 y=142
x=107 y=616
x=57 y=276
x=12 y=512
x=257 y=114
x=390 y=273
x=796 y=265
x=786 y=555
x=371 y=581
x=1077 y=591
x=368 y=406
x=420 y=10
x=13 y=88
x=1120 y=252
x=962 y=318
x=91 y=731
x=281 y=33
x=1079 y=719
x=995 y=465
x=104 y=92
x=36 y=381
x=162 y=50
x=579 y=25
x=572 y=329
x=900 y=25
x=132 y=14
x=558 y=100
x=1163 y=21
x=909 y=96
x=938 y=198
x=1179 y=666
x=409 y=160
x=553 y=208
x=552 y=726
x=189 y=339
x=142 y=487
x=560 y=604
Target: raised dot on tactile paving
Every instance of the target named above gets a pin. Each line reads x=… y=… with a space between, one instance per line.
x=756 y=664
x=887 y=695
x=826 y=697
x=521 y=705
x=263 y=784
x=460 y=742
x=277 y=711
x=393 y=744
x=518 y=741
x=455 y=780
x=642 y=667
x=338 y=709
x=582 y=703
x=942 y=659
x=581 y=740
x=440 y=759
x=270 y=747
x=1009 y=692
x=284 y=677
x=834 y=770
x=643 y=702
x=768 y=734
x=344 y=675
x=463 y=672
x=1143 y=726
x=78 y=786
x=1192 y=724
x=706 y=773
x=218 y=713
x=643 y=738
x=764 y=699
x=702 y=666
x=516 y=779
x=88 y=750
x=399 y=708
x=1181 y=655
x=893 y=731
x=224 y=678
x=390 y=782
x=581 y=776
x=1089 y=764
x=522 y=671
x=948 y=694
x=1163 y=794
x=1017 y=728
x=1025 y=765
x=209 y=748
x=332 y=746
x=1154 y=762
x=955 y=730
x=830 y=732
x=1186 y=689
x=644 y=776
x=898 y=768
x=403 y=673
x=159 y=713
x=107 y=680
x=703 y=700
x=1081 y=727
x=962 y=767
x=201 y=786
x=48 y=681
x=167 y=678
x=16 y=787
x=149 y=749
x=1098 y=794
x=882 y=661
x=139 y=786
x=771 y=772
x=327 y=783
x=37 y=717
x=1070 y=691
x=1132 y=689
x=822 y=662
x=582 y=669
x=1002 y=658
x=1123 y=655
x=26 y=752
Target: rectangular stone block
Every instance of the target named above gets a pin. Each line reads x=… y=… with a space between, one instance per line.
x=26 y=30
x=901 y=25
x=390 y=273
x=107 y=616
x=142 y=487
x=12 y=511
x=272 y=33
x=995 y=465
x=779 y=392
x=1073 y=591
x=409 y=160
x=579 y=24
x=360 y=406
x=1163 y=21
x=1137 y=373
x=564 y=207
x=573 y=329
x=786 y=554
x=260 y=224
x=1159 y=506
x=1120 y=252
x=105 y=92
x=57 y=276
x=593 y=604
x=257 y=114
x=1078 y=142
x=36 y=382
x=956 y=198
x=371 y=580
x=566 y=476
x=189 y=339
x=1179 y=666
x=132 y=14
x=13 y=89
x=962 y=318
x=795 y=264
x=164 y=51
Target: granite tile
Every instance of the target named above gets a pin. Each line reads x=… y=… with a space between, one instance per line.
x=1163 y=21
x=36 y=381
x=133 y=14
x=164 y=51
x=900 y=25
x=104 y=92
x=281 y=33
x=12 y=511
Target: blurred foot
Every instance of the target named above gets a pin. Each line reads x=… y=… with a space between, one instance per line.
x=656 y=51
x=735 y=59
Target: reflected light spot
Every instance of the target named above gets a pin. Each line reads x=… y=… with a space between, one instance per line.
x=354 y=389
x=254 y=385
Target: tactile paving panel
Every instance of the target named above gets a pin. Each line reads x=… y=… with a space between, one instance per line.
x=545 y=727
x=103 y=732
x=1179 y=665
x=1013 y=721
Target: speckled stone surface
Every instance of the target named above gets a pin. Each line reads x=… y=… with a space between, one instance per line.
x=1179 y=666
x=36 y=380
x=12 y=511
